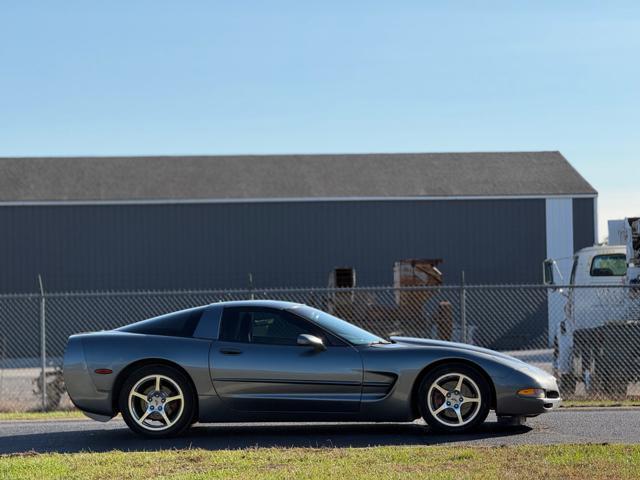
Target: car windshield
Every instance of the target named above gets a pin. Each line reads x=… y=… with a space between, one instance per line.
x=351 y=333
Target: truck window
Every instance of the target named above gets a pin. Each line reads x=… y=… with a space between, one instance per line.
x=612 y=265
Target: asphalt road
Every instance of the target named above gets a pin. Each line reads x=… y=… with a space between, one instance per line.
x=617 y=425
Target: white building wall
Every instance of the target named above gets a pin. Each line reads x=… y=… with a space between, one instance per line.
x=559 y=225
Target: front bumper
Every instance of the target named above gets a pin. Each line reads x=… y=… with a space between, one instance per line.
x=517 y=405
x=509 y=402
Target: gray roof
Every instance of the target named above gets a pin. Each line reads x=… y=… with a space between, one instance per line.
x=289 y=176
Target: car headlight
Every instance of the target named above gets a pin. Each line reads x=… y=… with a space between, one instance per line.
x=531 y=392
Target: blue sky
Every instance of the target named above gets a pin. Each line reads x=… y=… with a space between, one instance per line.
x=154 y=77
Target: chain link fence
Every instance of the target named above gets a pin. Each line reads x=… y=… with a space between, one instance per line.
x=588 y=336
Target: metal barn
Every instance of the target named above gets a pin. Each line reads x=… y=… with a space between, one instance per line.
x=195 y=222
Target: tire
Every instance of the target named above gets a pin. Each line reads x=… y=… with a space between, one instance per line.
x=457 y=417
x=147 y=411
x=608 y=384
x=607 y=387
x=567 y=384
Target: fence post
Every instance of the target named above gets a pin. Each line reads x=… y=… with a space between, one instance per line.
x=43 y=345
x=463 y=309
x=251 y=296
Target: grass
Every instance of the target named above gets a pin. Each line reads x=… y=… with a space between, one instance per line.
x=441 y=462
x=55 y=415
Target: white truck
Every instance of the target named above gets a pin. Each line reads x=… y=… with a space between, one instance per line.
x=596 y=336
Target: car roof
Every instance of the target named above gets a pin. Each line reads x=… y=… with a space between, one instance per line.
x=258 y=303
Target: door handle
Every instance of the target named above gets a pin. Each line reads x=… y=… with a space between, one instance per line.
x=230 y=351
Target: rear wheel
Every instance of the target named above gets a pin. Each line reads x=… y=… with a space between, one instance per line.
x=454 y=398
x=157 y=401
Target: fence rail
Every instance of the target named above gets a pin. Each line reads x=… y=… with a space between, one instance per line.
x=589 y=336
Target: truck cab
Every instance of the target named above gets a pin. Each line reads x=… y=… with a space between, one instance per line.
x=597 y=332
x=599 y=266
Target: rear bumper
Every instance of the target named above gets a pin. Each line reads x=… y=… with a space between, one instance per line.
x=80 y=385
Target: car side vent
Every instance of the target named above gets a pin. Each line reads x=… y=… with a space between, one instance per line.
x=377 y=385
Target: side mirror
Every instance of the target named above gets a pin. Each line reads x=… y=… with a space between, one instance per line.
x=547 y=272
x=307 y=340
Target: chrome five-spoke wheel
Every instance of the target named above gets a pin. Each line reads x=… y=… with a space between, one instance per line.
x=157 y=400
x=454 y=398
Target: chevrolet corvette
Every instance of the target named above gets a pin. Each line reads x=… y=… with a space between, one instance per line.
x=258 y=361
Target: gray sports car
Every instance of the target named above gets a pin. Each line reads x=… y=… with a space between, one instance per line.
x=278 y=361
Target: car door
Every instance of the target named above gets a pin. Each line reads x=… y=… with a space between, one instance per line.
x=257 y=365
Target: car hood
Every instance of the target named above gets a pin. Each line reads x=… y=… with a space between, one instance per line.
x=426 y=342
x=543 y=378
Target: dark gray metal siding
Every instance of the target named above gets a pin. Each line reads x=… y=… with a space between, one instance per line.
x=583 y=223
x=216 y=245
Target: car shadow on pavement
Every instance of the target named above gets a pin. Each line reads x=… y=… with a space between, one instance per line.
x=229 y=436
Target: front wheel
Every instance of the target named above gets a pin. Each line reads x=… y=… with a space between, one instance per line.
x=454 y=398
x=157 y=401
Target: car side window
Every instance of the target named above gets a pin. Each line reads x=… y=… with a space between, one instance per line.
x=265 y=326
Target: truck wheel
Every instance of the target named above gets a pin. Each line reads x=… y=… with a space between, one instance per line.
x=607 y=386
x=566 y=381
x=567 y=384
x=605 y=381
x=618 y=388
